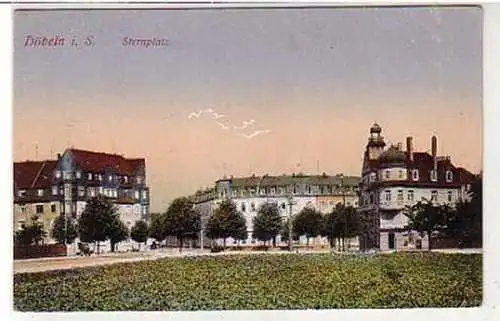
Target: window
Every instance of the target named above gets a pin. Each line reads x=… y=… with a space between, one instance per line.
x=434 y=195
x=273 y=191
x=450 y=196
x=139 y=180
x=21 y=193
x=308 y=189
x=400 y=173
x=89 y=176
x=283 y=206
x=81 y=191
x=410 y=195
x=23 y=209
x=414 y=174
x=54 y=190
x=58 y=174
x=110 y=178
x=39 y=209
x=388 y=196
x=252 y=206
x=294 y=189
x=137 y=195
x=39 y=192
x=449 y=176
x=78 y=174
x=101 y=190
x=433 y=175
x=371 y=198
x=243 y=207
x=99 y=177
x=387 y=174
x=144 y=195
x=67 y=175
x=53 y=208
x=125 y=179
x=400 y=195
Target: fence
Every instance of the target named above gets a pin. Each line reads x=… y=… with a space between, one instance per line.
x=33 y=251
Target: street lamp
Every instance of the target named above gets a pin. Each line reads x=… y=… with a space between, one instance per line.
x=290 y=204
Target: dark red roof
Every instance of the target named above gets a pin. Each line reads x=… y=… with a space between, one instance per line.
x=98 y=162
x=31 y=174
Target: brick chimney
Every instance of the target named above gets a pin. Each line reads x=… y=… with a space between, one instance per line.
x=409 y=147
x=434 y=151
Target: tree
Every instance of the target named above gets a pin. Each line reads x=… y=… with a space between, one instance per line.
x=308 y=222
x=267 y=224
x=182 y=220
x=157 y=228
x=117 y=232
x=64 y=230
x=139 y=232
x=425 y=218
x=284 y=231
x=95 y=222
x=227 y=221
x=343 y=222
x=32 y=233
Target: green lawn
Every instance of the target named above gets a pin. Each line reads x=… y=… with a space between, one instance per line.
x=308 y=281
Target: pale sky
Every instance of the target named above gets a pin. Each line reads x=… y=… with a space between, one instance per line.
x=316 y=78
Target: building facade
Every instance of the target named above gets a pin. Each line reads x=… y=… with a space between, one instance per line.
x=62 y=186
x=321 y=192
x=393 y=179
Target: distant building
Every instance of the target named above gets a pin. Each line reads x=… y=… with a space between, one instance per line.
x=393 y=178
x=49 y=188
x=322 y=192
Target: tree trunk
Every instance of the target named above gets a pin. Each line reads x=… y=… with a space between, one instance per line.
x=98 y=247
x=181 y=244
x=429 y=242
x=307 y=241
x=224 y=244
x=112 y=247
x=274 y=241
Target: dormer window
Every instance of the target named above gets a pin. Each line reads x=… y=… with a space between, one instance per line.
x=449 y=176
x=433 y=175
x=40 y=192
x=89 y=176
x=110 y=178
x=54 y=190
x=125 y=179
x=78 y=174
x=387 y=174
x=58 y=174
x=414 y=174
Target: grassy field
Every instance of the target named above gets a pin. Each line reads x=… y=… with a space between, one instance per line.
x=309 y=281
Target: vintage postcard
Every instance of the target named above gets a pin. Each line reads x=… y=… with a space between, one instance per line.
x=247 y=158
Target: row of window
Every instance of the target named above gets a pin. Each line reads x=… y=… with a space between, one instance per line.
x=97 y=177
x=39 y=209
x=388 y=174
x=91 y=191
x=411 y=196
x=273 y=191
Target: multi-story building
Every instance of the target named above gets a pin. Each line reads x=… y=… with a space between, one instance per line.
x=393 y=179
x=52 y=187
x=322 y=192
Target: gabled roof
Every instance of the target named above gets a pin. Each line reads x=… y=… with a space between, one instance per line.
x=31 y=174
x=99 y=162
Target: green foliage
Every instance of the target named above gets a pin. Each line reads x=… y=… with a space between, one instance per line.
x=94 y=224
x=226 y=222
x=308 y=222
x=267 y=223
x=284 y=231
x=157 y=230
x=117 y=233
x=64 y=230
x=181 y=220
x=258 y=282
x=139 y=232
x=343 y=222
x=30 y=234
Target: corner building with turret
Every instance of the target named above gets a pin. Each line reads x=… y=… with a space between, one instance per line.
x=393 y=178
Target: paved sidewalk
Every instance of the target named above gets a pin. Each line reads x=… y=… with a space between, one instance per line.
x=71 y=262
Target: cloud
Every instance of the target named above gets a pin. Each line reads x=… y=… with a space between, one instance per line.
x=222 y=125
x=246 y=123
